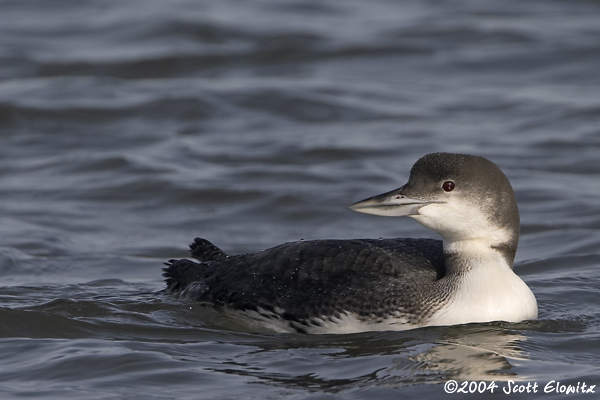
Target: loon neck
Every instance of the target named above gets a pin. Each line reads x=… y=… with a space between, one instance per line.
x=465 y=254
x=483 y=286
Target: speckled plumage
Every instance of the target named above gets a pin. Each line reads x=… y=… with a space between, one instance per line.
x=371 y=278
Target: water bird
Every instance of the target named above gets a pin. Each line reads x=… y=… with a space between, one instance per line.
x=343 y=286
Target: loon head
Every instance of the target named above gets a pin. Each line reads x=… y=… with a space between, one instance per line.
x=461 y=197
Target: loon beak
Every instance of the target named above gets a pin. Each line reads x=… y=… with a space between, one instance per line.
x=390 y=204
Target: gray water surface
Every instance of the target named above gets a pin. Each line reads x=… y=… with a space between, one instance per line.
x=129 y=128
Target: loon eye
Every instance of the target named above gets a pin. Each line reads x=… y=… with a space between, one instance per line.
x=448 y=186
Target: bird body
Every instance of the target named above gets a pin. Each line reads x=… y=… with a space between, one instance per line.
x=340 y=286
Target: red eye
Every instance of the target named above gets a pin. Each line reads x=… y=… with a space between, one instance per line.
x=448 y=186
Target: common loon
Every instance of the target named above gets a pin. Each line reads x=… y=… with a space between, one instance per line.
x=343 y=286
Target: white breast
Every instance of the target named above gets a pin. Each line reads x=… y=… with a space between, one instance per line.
x=488 y=291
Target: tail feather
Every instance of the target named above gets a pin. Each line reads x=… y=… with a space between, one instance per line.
x=180 y=274
x=191 y=277
x=203 y=250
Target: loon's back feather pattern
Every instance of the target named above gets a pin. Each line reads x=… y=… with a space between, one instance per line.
x=308 y=279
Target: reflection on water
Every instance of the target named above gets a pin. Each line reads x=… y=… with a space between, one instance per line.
x=478 y=354
x=430 y=355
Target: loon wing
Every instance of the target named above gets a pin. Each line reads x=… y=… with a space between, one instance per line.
x=304 y=279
